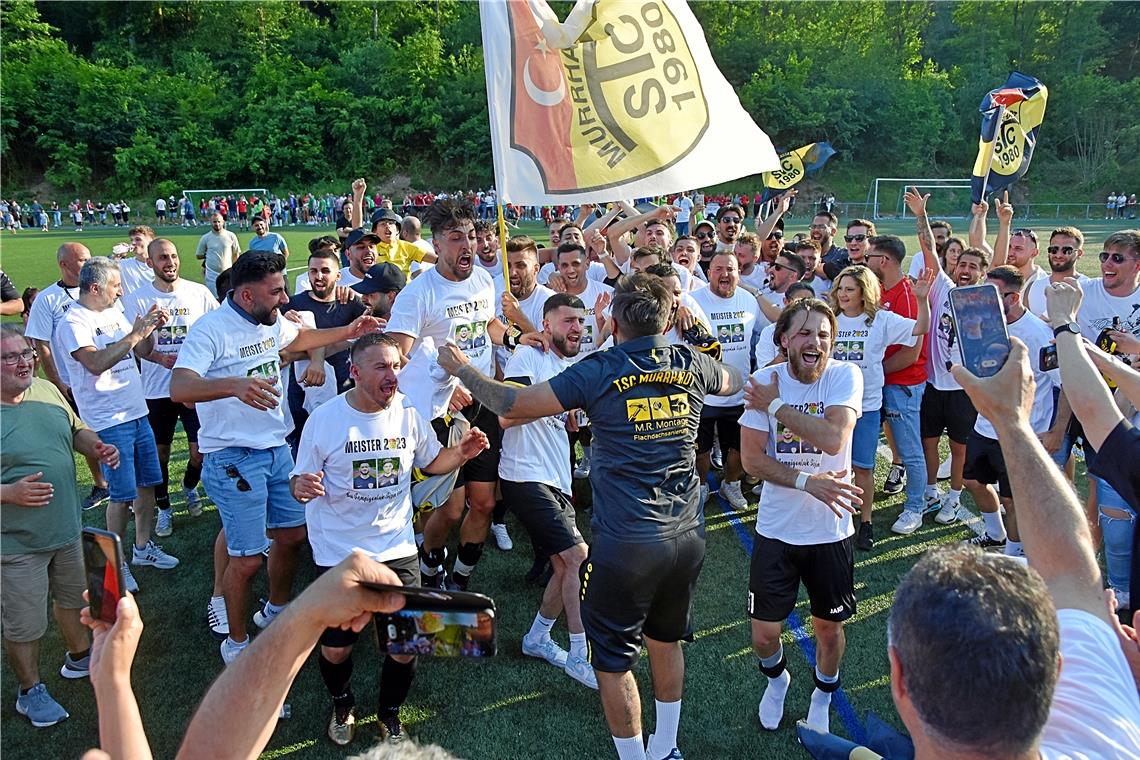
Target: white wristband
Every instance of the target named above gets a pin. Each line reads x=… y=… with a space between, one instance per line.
x=801 y=481
x=775 y=406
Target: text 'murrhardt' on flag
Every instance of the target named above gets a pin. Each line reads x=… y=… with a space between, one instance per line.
x=622 y=99
x=794 y=166
x=1011 y=115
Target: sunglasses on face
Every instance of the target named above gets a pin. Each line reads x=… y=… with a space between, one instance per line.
x=704 y=235
x=774 y=267
x=1068 y=250
x=854 y=238
x=776 y=235
x=730 y=220
x=1117 y=258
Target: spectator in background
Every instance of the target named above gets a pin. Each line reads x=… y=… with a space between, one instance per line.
x=40 y=538
x=264 y=240
x=10 y=301
x=217 y=249
x=1055 y=664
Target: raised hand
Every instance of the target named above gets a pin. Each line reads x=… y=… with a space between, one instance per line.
x=916 y=202
x=759 y=395
x=1004 y=209
x=924 y=282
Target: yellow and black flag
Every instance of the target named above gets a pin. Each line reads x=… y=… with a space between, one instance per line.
x=1011 y=115
x=794 y=166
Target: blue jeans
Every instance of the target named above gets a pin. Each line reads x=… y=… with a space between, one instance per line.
x=138 y=459
x=902 y=405
x=1117 y=532
x=251 y=490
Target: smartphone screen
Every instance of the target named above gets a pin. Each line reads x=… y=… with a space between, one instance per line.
x=438 y=633
x=979 y=328
x=1048 y=358
x=103 y=560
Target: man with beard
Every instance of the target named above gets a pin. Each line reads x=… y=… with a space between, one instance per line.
x=185 y=302
x=453 y=297
x=487 y=252
x=732 y=308
x=379 y=288
x=1022 y=254
x=346 y=513
x=230 y=366
x=644 y=397
x=534 y=474
x=804 y=528
x=945 y=406
x=858 y=232
x=360 y=248
x=705 y=233
x=217 y=250
x=522 y=306
x=751 y=269
x=729 y=224
x=264 y=240
x=1066 y=247
x=822 y=233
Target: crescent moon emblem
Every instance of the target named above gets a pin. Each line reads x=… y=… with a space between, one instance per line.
x=548 y=98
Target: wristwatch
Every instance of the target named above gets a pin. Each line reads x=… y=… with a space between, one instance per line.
x=1070 y=327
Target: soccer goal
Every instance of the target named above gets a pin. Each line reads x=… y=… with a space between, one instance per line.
x=196 y=196
x=949 y=198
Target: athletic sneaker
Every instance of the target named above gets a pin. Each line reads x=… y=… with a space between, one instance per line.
x=932 y=503
x=74 y=669
x=907 y=523
x=342 y=726
x=581 y=671
x=502 y=537
x=165 y=525
x=731 y=493
x=865 y=538
x=545 y=648
x=263 y=617
x=944 y=469
x=230 y=649
x=985 y=542
x=391 y=730
x=97 y=496
x=38 y=707
x=217 y=617
x=152 y=555
x=129 y=581
x=715 y=457
x=193 y=501
x=674 y=754
x=582 y=469
x=896 y=479
x=948 y=514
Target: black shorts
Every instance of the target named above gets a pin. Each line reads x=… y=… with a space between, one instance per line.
x=408 y=568
x=545 y=512
x=160 y=214
x=947 y=411
x=485 y=467
x=163 y=416
x=633 y=589
x=826 y=570
x=985 y=464
x=722 y=422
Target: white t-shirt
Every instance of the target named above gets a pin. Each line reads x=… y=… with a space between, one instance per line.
x=589 y=297
x=227 y=343
x=160 y=205
x=821 y=286
x=115 y=395
x=369 y=509
x=347 y=278
x=757 y=278
x=531 y=307
x=186 y=304
x=865 y=345
x=1098 y=308
x=1034 y=298
x=785 y=514
x=495 y=270
x=736 y=322
x=47 y=314
x=1095 y=711
x=432 y=305
x=595 y=270
x=943 y=346
x=133 y=274
x=538 y=451
x=1035 y=334
x=765 y=350
x=685 y=204
x=424 y=245
x=301 y=284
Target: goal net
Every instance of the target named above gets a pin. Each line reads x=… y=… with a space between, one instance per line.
x=949 y=198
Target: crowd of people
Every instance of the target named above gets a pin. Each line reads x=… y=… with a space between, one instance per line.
x=408 y=393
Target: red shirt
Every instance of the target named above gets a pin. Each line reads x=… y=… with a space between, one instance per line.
x=901 y=300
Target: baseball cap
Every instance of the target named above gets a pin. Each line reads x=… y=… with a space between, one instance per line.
x=358 y=235
x=381 y=278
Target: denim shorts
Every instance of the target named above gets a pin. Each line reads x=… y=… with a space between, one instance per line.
x=865 y=439
x=251 y=489
x=138 y=459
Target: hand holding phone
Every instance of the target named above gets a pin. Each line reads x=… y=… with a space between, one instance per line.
x=103 y=561
x=438 y=623
x=979 y=328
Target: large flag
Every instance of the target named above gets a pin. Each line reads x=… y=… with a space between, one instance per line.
x=621 y=100
x=1011 y=115
x=794 y=166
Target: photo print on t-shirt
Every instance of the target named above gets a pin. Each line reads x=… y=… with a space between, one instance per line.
x=850 y=350
x=737 y=333
x=364 y=474
x=472 y=335
x=388 y=472
x=268 y=371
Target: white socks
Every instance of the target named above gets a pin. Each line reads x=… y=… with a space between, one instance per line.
x=772 y=703
x=630 y=749
x=819 y=712
x=664 y=738
x=578 y=646
x=995 y=526
x=540 y=628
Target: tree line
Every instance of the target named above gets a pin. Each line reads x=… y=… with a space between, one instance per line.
x=144 y=98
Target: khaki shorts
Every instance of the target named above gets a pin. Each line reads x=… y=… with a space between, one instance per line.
x=25 y=580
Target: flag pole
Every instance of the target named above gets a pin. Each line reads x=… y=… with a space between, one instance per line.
x=503 y=245
x=993 y=150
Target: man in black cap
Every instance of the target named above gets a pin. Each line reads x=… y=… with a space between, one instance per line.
x=360 y=246
x=379 y=287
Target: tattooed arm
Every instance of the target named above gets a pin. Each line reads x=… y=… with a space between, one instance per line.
x=504 y=400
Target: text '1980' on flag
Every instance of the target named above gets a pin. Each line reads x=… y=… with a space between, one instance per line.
x=1011 y=116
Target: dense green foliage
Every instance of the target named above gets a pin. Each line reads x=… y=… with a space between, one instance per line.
x=153 y=97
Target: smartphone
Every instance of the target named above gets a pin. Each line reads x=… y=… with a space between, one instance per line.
x=103 y=560
x=438 y=623
x=979 y=328
x=1048 y=358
